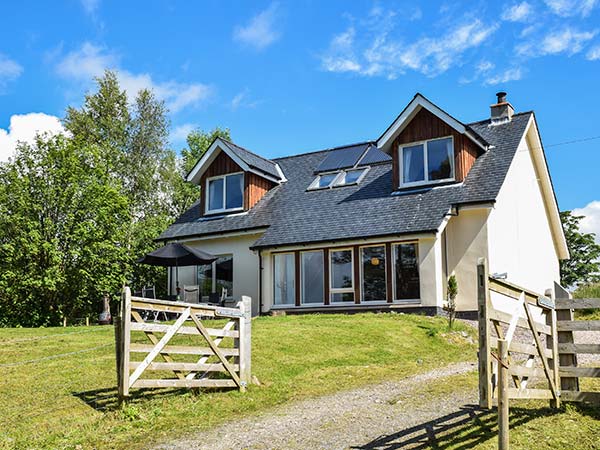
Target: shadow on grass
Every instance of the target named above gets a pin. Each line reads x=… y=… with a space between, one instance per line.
x=461 y=429
x=107 y=399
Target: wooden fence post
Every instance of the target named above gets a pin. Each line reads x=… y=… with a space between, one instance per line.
x=118 y=350
x=126 y=341
x=503 y=405
x=483 y=302
x=565 y=337
x=245 y=325
x=552 y=344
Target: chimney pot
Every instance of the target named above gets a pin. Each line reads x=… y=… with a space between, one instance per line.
x=502 y=111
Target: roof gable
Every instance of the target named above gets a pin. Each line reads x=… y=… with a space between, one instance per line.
x=245 y=159
x=418 y=103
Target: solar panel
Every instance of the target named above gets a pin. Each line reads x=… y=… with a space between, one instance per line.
x=342 y=158
x=374 y=156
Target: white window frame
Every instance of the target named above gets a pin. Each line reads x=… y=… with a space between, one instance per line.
x=302 y=277
x=333 y=290
x=224 y=209
x=315 y=184
x=284 y=305
x=393 y=262
x=340 y=179
x=362 y=275
x=426 y=181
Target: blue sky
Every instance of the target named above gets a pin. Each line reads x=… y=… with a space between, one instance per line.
x=289 y=77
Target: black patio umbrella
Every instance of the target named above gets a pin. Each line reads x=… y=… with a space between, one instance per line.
x=175 y=255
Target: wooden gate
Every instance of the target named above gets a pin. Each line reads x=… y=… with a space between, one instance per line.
x=530 y=315
x=192 y=356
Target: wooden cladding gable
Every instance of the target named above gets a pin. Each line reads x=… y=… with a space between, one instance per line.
x=255 y=186
x=426 y=125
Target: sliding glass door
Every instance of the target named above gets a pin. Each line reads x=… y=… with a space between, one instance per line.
x=373 y=261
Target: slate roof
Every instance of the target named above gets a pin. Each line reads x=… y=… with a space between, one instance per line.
x=253 y=160
x=292 y=215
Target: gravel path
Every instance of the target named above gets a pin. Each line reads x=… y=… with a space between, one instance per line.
x=360 y=418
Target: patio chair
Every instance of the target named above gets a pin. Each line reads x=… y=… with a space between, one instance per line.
x=191 y=293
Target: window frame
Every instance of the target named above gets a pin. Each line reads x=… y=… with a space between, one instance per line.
x=347 y=290
x=302 y=302
x=275 y=255
x=338 y=181
x=207 y=209
x=315 y=183
x=362 y=276
x=394 y=245
x=426 y=181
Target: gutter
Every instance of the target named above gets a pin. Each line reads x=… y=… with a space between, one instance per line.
x=260 y=278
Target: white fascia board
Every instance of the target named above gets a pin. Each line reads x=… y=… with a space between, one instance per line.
x=209 y=156
x=411 y=110
x=541 y=166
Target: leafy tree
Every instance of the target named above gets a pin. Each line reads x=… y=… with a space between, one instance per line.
x=583 y=266
x=198 y=142
x=60 y=216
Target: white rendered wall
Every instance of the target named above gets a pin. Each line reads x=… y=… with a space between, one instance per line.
x=520 y=237
x=466 y=242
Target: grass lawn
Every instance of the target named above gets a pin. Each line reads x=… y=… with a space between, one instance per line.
x=69 y=401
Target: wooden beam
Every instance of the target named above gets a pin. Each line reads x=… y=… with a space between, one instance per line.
x=159 y=328
x=579 y=325
x=503 y=403
x=503 y=317
x=565 y=337
x=579 y=348
x=126 y=342
x=228 y=326
x=578 y=396
x=183 y=350
x=578 y=303
x=179 y=366
x=519 y=347
x=483 y=303
x=586 y=372
x=528 y=394
x=206 y=383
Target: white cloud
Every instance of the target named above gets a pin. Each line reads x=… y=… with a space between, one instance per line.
x=261 y=30
x=90 y=61
x=511 y=74
x=569 y=8
x=591 y=221
x=566 y=40
x=594 y=53
x=518 y=12
x=90 y=6
x=380 y=51
x=9 y=70
x=23 y=128
x=180 y=132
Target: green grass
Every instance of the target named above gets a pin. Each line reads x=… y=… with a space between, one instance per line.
x=70 y=401
x=588 y=291
x=533 y=425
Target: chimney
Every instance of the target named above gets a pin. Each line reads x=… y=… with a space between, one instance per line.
x=502 y=111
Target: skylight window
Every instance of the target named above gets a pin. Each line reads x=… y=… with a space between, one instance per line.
x=339 y=178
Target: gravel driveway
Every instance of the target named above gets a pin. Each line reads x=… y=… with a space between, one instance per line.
x=360 y=418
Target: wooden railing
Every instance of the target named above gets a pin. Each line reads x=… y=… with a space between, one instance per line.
x=205 y=357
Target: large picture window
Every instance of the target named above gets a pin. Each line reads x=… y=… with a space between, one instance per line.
x=374 y=287
x=284 y=286
x=225 y=193
x=215 y=277
x=342 y=276
x=427 y=162
x=406 y=272
x=311 y=272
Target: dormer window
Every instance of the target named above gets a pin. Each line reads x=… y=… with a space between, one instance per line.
x=225 y=193
x=427 y=162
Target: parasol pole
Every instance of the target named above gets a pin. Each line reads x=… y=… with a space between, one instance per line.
x=177 y=290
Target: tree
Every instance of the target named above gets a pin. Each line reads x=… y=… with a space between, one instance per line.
x=452 y=292
x=60 y=216
x=198 y=142
x=583 y=265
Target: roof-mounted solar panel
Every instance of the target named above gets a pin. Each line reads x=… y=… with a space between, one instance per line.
x=342 y=158
x=374 y=156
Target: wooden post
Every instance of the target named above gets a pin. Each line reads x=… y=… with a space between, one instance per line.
x=87 y=321
x=126 y=340
x=118 y=350
x=483 y=303
x=503 y=405
x=565 y=337
x=64 y=321
x=245 y=325
x=552 y=344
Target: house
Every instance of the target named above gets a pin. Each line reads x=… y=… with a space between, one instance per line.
x=378 y=225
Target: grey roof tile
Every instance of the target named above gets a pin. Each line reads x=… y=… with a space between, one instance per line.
x=291 y=214
x=253 y=160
